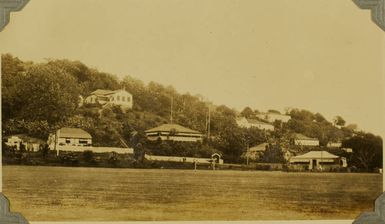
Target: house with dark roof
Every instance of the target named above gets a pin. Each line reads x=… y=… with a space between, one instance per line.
x=69 y=137
x=250 y=123
x=173 y=132
x=302 y=140
x=110 y=97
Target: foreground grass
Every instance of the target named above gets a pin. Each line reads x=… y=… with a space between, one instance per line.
x=103 y=194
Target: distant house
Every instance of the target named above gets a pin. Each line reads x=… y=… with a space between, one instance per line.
x=318 y=160
x=256 y=152
x=173 y=132
x=334 y=144
x=69 y=137
x=302 y=140
x=110 y=97
x=347 y=150
x=249 y=123
x=271 y=117
x=22 y=140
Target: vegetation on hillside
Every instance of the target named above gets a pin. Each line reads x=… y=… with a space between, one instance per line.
x=38 y=98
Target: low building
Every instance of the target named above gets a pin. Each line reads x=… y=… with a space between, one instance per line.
x=347 y=150
x=24 y=141
x=110 y=97
x=271 y=117
x=253 y=123
x=173 y=132
x=334 y=144
x=69 y=137
x=317 y=160
x=256 y=152
x=302 y=140
x=214 y=158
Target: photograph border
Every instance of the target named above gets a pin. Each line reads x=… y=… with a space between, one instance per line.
x=377 y=8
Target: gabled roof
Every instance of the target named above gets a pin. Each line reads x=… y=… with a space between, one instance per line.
x=303 y=137
x=73 y=133
x=103 y=92
x=170 y=127
x=259 y=148
x=316 y=155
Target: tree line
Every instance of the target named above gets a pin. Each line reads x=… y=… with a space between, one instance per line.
x=38 y=98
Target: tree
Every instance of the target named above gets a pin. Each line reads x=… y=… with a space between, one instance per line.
x=338 y=120
x=273 y=154
x=367 y=151
x=274 y=111
x=247 y=112
x=47 y=93
x=12 y=72
x=319 y=117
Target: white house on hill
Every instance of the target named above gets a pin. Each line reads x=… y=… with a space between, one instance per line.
x=109 y=97
x=173 y=132
x=302 y=140
x=69 y=137
x=249 y=123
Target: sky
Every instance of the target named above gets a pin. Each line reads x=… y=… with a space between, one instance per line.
x=323 y=56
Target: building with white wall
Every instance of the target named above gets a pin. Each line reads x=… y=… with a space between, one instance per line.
x=250 y=123
x=69 y=137
x=110 y=97
x=302 y=140
x=173 y=132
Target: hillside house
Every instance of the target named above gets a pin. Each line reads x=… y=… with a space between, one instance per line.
x=334 y=145
x=302 y=140
x=103 y=97
x=69 y=137
x=256 y=152
x=22 y=140
x=317 y=160
x=250 y=123
x=271 y=117
x=173 y=132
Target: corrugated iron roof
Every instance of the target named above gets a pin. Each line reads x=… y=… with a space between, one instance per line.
x=73 y=133
x=170 y=127
x=316 y=155
x=259 y=148
x=103 y=92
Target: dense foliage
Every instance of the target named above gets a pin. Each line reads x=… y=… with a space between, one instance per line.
x=38 y=98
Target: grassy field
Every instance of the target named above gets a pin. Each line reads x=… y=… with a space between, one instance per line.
x=101 y=194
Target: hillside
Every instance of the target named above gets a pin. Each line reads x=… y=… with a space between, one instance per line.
x=38 y=98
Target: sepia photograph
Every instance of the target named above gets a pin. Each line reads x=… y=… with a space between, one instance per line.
x=192 y=110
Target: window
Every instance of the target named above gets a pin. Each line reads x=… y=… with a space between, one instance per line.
x=123 y=98
x=128 y=99
x=118 y=98
x=68 y=141
x=83 y=141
